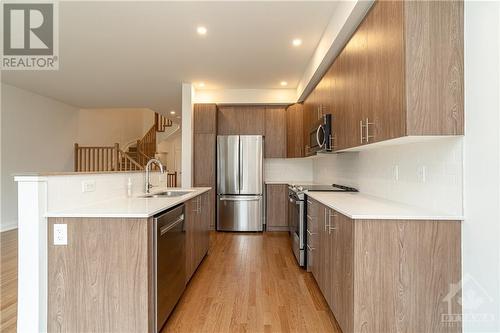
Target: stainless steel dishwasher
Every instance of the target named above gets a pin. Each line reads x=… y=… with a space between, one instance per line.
x=169 y=263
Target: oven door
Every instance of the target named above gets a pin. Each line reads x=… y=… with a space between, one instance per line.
x=296 y=227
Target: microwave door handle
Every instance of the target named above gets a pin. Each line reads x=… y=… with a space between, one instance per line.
x=320 y=144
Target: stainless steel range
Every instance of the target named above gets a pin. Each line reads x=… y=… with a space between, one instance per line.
x=297 y=211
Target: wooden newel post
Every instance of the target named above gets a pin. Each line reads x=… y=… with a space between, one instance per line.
x=77 y=169
x=117 y=157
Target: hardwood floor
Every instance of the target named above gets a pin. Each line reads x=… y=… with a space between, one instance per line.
x=8 y=281
x=251 y=283
x=247 y=283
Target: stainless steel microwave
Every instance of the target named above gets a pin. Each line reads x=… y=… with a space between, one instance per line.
x=320 y=136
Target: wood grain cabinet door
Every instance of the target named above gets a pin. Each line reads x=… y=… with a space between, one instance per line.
x=190 y=222
x=205 y=118
x=277 y=207
x=251 y=120
x=275 y=128
x=204 y=159
x=227 y=121
x=341 y=268
x=324 y=251
x=206 y=215
x=313 y=238
x=385 y=50
x=295 y=131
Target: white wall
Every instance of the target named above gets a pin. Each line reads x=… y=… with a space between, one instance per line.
x=37 y=134
x=187 y=135
x=374 y=172
x=99 y=127
x=481 y=229
x=246 y=96
x=344 y=21
x=296 y=170
x=169 y=151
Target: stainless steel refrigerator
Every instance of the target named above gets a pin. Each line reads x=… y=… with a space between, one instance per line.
x=240 y=204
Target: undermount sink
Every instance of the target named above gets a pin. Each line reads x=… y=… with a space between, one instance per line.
x=166 y=194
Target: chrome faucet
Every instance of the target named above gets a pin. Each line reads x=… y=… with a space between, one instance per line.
x=147 y=181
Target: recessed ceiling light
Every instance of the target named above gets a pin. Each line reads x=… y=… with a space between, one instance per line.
x=201 y=84
x=172 y=112
x=201 y=30
x=297 y=42
x=283 y=83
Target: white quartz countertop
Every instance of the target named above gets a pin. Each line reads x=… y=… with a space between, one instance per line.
x=365 y=207
x=133 y=207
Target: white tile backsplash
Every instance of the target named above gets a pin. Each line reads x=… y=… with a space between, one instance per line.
x=289 y=169
x=373 y=172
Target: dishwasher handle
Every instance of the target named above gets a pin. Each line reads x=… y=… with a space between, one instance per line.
x=164 y=229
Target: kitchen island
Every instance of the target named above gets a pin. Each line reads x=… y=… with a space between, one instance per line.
x=99 y=275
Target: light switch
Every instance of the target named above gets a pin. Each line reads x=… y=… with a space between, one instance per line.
x=60 y=234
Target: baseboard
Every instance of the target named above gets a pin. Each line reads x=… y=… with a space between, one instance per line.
x=8 y=226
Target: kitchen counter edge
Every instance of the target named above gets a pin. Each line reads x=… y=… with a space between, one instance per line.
x=133 y=207
x=359 y=206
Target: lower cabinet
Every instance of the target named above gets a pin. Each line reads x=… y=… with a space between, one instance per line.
x=385 y=275
x=197 y=226
x=277 y=207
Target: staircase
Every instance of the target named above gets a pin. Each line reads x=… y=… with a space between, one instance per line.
x=112 y=158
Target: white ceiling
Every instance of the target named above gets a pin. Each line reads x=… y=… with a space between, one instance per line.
x=137 y=54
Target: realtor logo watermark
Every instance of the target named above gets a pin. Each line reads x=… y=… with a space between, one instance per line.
x=471 y=301
x=30 y=36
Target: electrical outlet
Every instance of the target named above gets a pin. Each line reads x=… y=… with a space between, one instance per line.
x=395 y=173
x=88 y=186
x=60 y=234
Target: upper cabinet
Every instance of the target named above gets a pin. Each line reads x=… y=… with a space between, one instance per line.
x=294 y=131
x=241 y=120
x=205 y=118
x=275 y=124
x=400 y=74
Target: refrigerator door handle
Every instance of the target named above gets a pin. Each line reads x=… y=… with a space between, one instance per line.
x=240 y=199
x=240 y=147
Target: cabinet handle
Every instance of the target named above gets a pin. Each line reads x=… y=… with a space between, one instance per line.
x=368 y=136
x=330 y=228
x=327 y=219
x=310 y=248
x=310 y=233
x=361 y=138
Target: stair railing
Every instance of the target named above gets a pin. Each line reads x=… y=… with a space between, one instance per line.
x=146 y=147
x=162 y=122
x=127 y=163
x=95 y=158
x=103 y=158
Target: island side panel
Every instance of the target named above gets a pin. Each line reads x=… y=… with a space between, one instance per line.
x=403 y=272
x=100 y=281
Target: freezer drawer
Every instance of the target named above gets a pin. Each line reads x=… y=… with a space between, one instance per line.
x=239 y=213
